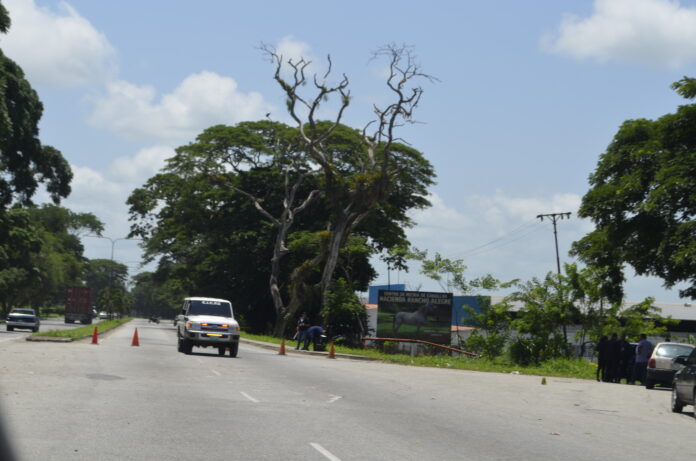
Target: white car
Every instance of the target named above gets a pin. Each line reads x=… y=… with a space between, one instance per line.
x=207 y=322
x=661 y=366
x=23 y=318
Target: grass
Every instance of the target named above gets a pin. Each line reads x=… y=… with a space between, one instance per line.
x=566 y=368
x=86 y=330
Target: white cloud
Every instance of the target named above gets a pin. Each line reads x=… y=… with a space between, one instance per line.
x=142 y=166
x=657 y=33
x=289 y=48
x=110 y=191
x=201 y=100
x=497 y=234
x=58 y=49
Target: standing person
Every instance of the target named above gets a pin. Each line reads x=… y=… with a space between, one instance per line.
x=643 y=352
x=311 y=336
x=601 y=349
x=627 y=357
x=613 y=358
x=302 y=326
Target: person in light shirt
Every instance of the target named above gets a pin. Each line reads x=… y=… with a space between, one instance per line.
x=643 y=352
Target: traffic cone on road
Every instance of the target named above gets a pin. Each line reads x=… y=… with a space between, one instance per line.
x=135 y=339
x=332 y=352
x=95 y=337
x=281 y=351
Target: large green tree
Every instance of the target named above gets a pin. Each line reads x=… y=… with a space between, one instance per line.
x=107 y=279
x=41 y=253
x=24 y=161
x=197 y=217
x=642 y=200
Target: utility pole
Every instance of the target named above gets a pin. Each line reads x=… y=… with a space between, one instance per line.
x=555 y=217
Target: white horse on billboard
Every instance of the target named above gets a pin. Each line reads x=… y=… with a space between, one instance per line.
x=417 y=318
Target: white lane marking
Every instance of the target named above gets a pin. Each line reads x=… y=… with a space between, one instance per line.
x=216 y=372
x=334 y=398
x=325 y=452
x=249 y=397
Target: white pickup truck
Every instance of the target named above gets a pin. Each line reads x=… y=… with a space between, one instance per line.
x=207 y=322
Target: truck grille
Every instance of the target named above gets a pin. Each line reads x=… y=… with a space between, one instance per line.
x=214 y=327
x=21 y=319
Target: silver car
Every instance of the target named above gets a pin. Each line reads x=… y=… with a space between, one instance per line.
x=23 y=318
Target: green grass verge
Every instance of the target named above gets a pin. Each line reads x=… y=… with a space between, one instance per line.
x=86 y=330
x=565 y=368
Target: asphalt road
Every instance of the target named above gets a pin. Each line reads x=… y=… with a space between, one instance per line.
x=113 y=401
x=46 y=324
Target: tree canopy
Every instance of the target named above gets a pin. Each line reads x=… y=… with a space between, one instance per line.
x=642 y=200
x=24 y=161
x=197 y=219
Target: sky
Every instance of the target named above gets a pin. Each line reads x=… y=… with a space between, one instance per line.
x=529 y=95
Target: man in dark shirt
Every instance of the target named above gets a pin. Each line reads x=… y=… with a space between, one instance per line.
x=613 y=359
x=311 y=336
x=302 y=326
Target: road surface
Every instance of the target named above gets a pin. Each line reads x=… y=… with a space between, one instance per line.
x=113 y=401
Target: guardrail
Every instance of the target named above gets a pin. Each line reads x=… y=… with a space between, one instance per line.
x=420 y=341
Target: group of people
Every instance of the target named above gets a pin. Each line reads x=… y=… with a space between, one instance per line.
x=307 y=333
x=618 y=359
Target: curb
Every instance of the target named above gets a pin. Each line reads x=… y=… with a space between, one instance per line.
x=291 y=350
x=49 y=339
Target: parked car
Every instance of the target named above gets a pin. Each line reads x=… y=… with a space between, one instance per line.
x=23 y=318
x=661 y=365
x=684 y=382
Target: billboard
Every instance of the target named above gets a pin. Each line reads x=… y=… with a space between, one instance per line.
x=415 y=315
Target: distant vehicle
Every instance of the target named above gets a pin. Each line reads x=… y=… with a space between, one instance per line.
x=103 y=315
x=205 y=322
x=661 y=365
x=684 y=382
x=78 y=305
x=23 y=319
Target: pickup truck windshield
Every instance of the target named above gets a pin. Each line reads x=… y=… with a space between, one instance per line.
x=218 y=308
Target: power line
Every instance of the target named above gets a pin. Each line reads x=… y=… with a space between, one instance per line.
x=517 y=233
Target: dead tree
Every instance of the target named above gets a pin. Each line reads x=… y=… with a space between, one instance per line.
x=371 y=184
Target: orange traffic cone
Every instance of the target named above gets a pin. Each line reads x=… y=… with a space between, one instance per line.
x=95 y=337
x=135 y=339
x=332 y=352
x=281 y=351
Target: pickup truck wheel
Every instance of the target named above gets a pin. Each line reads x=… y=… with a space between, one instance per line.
x=10 y=328
x=221 y=350
x=234 y=348
x=179 y=345
x=677 y=404
x=188 y=347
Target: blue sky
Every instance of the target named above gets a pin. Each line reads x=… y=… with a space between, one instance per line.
x=530 y=94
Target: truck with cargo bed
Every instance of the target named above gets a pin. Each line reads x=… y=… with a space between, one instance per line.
x=78 y=305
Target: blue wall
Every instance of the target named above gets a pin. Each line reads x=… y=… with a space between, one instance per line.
x=373 y=292
x=460 y=316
